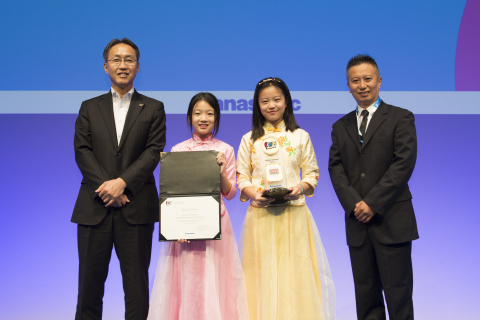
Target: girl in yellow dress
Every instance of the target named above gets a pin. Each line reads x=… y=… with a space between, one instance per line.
x=286 y=269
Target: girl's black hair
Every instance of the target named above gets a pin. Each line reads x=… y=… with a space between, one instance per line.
x=258 y=120
x=212 y=101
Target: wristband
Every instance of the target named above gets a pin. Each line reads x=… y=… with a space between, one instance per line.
x=301 y=187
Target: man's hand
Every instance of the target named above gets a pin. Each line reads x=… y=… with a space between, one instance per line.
x=362 y=212
x=119 y=202
x=111 y=190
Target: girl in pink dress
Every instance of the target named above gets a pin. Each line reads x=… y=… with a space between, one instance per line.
x=203 y=279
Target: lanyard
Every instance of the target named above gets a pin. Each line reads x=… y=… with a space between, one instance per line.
x=375 y=105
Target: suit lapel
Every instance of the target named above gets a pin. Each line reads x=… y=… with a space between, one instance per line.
x=377 y=119
x=352 y=130
x=106 y=109
x=133 y=111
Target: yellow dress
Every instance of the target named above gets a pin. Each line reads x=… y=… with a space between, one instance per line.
x=286 y=270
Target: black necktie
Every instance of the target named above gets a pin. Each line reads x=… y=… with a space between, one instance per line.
x=363 y=125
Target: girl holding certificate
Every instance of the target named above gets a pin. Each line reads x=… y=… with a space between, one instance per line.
x=203 y=279
x=286 y=269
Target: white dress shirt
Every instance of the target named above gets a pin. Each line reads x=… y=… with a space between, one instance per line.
x=371 y=110
x=120 y=110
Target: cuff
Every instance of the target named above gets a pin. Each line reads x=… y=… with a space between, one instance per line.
x=312 y=188
x=242 y=197
x=226 y=196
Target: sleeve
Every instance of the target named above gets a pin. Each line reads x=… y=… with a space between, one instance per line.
x=395 y=179
x=309 y=165
x=230 y=170
x=346 y=194
x=92 y=172
x=139 y=171
x=244 y=165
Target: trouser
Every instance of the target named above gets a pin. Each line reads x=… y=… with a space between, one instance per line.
x=133 y=246
x=377 y=267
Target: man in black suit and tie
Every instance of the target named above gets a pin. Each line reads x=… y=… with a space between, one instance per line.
x=118 y=140
x=372 y=157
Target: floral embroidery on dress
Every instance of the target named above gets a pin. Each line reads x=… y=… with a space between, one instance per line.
x=284 y=142
x=290 y=150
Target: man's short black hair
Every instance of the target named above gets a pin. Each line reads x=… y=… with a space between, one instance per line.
x=114 y=42
x=360 y=59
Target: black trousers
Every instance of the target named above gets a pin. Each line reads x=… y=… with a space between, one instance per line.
x=388 y=268
x=133 y=246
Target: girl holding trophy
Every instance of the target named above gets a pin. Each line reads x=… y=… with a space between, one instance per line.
x=286 y=270
x=203 y=280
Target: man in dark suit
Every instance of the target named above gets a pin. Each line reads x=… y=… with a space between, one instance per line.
x=118 y=140
x=372 y=157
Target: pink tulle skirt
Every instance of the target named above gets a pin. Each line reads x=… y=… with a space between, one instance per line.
x=200 y=280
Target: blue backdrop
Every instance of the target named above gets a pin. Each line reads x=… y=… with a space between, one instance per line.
x=54 y=48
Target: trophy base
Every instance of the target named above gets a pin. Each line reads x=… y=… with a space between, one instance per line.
x=277 y=194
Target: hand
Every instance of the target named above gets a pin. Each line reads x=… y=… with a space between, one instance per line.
x=261 y=200
x=111 y=189
x=295 y=193
x=362 y=212
x=119 y=202
x=221 y=161
x=183 y=241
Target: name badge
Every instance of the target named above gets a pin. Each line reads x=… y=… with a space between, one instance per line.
x=274 y=172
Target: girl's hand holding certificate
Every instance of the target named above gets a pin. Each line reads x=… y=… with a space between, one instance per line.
x=221 y=161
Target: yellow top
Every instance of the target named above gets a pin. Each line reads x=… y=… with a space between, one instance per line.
x=297 y=152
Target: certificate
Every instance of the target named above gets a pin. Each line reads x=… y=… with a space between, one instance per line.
x=189 y=196
x=189 y=218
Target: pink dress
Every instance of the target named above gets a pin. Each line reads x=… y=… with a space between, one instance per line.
x=202 y=279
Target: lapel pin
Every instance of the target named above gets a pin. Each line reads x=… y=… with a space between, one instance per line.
x=141 y=105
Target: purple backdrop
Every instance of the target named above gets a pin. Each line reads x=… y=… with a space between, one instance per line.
x=40 y=183
x=467 y=60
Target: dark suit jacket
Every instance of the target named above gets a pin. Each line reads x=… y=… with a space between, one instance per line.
x=376 y=172
x=100 y=158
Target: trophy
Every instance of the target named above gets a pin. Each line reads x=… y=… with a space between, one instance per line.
x=274 y=172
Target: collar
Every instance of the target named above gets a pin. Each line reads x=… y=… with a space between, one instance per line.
x=371 y=108
x=271 y=128
x=207 y=140
x=115 y=95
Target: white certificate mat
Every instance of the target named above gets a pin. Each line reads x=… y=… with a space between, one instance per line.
x=189 y=218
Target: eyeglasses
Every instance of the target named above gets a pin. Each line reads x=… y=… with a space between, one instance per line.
x=268 y=80
x=128 y=61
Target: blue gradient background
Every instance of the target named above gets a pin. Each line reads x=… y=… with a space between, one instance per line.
x=187 y=45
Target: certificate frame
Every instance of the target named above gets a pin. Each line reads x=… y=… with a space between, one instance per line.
x=189 y=175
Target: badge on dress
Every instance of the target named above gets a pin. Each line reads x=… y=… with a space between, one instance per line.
x=270 y=146
x=274 y=172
